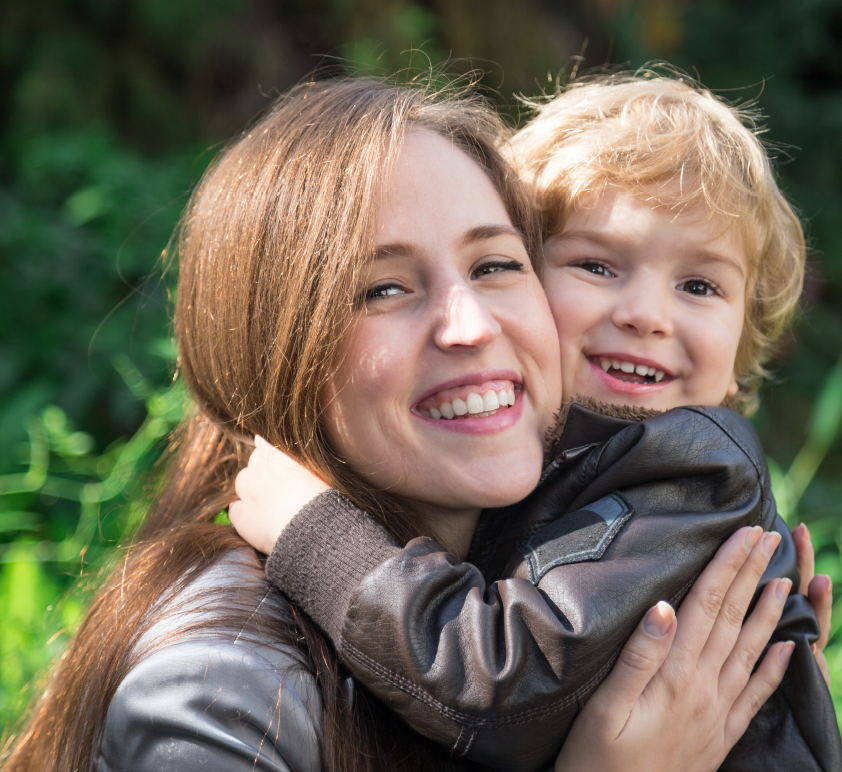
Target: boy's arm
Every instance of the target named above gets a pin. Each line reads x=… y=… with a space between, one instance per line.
x=499 y=672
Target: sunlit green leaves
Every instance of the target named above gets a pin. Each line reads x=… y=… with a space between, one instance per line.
x=104 y=504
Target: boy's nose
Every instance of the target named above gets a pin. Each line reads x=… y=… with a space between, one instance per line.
x=464 y=320
x=644 y=314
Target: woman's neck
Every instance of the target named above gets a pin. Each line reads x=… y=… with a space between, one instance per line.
x=454 y=529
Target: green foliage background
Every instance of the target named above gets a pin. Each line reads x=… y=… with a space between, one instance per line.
x=109 y=113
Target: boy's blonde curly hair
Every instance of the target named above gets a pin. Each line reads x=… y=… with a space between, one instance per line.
x=673 y=143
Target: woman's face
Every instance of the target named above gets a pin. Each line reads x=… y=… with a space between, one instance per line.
x=455 y=326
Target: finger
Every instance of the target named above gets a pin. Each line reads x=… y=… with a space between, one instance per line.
x=701 y=607
x=234 y=511
x=753 y=637
x=241 y=483
x=759 y=688
x=822 y=663
x=729 y=621
x=820 y=595
x=639 y=661
x=805 y=556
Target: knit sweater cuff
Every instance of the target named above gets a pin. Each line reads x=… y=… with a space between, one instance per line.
x=322 y=556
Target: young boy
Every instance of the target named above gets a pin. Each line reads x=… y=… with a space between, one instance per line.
x=672 y=263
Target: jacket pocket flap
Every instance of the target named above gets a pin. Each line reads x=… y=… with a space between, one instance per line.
x=577 y=536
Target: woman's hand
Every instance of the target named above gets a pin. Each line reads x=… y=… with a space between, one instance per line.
x=818 y=589
x=272 y=489
x=682 y=692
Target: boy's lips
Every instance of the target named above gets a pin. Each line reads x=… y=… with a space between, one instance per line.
x=629 y=374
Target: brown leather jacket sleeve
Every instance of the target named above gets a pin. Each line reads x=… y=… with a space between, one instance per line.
x=498 y=671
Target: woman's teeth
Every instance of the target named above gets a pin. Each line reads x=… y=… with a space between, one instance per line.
x=630 y=368
x=473 y=404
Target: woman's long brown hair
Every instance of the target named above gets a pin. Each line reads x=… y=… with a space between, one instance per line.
x=273 y=251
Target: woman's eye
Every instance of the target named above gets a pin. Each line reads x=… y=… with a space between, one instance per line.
x=700 y=287
x=383 y=291
x=497 y=266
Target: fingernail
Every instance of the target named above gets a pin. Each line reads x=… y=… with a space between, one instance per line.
x=658 y=619
x=807 y=531
x=814 y=647
x=752 y=536
x=786 y=652
x=782 y=590
x=770 y=543
x=829 y=587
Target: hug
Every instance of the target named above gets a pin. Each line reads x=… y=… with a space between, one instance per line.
x=497 y=380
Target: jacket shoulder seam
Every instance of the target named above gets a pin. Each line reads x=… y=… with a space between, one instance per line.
x=746 y=453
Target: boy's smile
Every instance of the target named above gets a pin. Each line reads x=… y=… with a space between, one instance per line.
x=649 y=303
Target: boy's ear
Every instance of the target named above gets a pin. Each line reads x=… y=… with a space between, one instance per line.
x=733 y=387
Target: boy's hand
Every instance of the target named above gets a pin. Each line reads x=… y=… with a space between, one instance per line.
x=272 y=489
x=818 y=589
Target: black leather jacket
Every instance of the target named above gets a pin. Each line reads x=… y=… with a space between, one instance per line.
x=221 y=700
x=628 y=513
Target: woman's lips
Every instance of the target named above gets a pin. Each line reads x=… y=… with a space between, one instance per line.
x=484 y=422
x=469 y=399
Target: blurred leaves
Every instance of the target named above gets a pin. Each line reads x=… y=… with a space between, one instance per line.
x=70 y=507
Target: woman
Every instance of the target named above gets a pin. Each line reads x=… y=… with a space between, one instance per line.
x=187 y=659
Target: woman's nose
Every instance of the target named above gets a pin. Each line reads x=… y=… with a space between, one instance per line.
x=465 y=320
x=643 y=313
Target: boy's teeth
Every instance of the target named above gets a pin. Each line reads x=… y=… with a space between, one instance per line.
x=629 y=367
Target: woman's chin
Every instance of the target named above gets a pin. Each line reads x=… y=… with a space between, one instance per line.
x=505 y=484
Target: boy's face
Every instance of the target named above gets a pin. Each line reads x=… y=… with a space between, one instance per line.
x=649 y=304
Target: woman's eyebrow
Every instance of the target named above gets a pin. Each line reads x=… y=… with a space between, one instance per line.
x=490 y=231
x=471 y=236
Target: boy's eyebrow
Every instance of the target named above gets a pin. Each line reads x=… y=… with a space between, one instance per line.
x=470 y=236
x=704 y=256
x=397 y=249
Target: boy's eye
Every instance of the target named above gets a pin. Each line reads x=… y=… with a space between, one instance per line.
x=701 y=287
x=496 y=266
x=383 y=291
x=594 y=267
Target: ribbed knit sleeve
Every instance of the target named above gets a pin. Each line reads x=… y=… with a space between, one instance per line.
x=321 y=557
